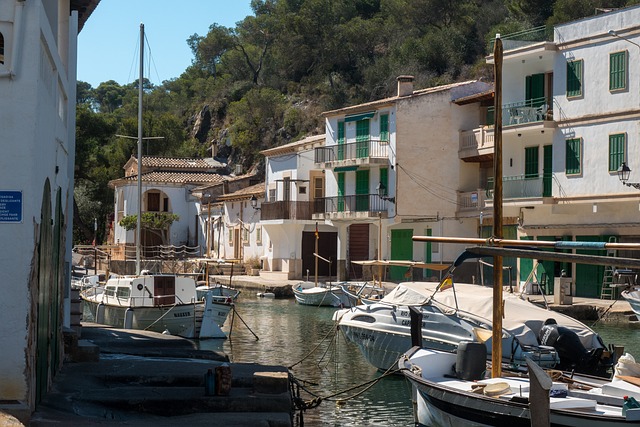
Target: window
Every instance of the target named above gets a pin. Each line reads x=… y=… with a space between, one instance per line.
x=1 y=49
x=574 y=78
x=618 y=70
x=318 y=187
x=245 y=236
x=258 y=235
x=272 y=194
x=230 y=230
x=572 y=158
x=616 y=151
x=384 y=177
x=153 y=202
x=302 y=190
x=531 y=162
x=384 y=127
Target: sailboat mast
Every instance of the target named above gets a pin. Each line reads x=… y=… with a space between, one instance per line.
x=496 y=352
x=139 y=224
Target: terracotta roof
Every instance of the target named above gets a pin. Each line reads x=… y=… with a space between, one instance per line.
x=245 y=193
x=476 y=97
x=173 y=178
x=392 y=100
x=180 y=163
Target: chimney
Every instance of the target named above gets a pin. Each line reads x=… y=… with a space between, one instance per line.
x=405 y=85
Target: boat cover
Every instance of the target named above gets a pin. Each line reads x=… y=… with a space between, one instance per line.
x=521 y=318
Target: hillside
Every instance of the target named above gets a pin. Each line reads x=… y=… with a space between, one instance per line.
x=266 y=82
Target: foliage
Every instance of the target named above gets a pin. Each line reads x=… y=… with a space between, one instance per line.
x=266 y=81
x=156 y=222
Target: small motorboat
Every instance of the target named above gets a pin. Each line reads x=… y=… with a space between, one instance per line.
x=322 y=294
x=632 y=296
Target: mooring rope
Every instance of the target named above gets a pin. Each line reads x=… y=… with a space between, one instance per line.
x=332 y=330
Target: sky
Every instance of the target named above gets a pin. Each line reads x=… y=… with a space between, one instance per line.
x=108 y=43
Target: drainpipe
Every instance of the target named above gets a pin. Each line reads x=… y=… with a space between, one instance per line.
x=17 y=27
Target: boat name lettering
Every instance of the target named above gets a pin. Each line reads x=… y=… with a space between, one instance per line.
x=408 y=323
x=404 y=313
x=364 y=336
x=185 y=314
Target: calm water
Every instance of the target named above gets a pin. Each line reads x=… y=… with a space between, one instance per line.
x=288 y=332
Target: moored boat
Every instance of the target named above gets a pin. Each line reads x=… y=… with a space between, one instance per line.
x=458 y=397
x=159 y=303
x=328 y=295
x=632 y=296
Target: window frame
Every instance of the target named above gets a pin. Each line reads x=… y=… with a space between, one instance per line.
x=576 y=158
x=258 y=235
x=620 y=154
x=574 y=78
x=623 y=73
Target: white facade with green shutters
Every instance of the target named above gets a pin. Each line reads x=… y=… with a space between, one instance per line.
x=590 y=76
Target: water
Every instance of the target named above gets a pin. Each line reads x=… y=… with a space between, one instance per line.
x=289 y=332
x=621 y=334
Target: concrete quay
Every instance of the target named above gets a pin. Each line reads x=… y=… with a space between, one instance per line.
x=148 y=379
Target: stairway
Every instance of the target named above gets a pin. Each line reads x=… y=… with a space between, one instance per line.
x=608 y=291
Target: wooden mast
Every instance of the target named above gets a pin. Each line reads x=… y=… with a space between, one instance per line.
x=496 y=352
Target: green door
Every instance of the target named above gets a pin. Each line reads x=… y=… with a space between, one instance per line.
x=362 y=138
x=428 y=256
x=534 y=90
x=341 y=140
x=401 y=249
x=589 y=277
x=340 y=191
x=362 y=190
x=547 y=170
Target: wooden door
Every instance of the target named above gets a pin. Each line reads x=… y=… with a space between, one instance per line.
x=358 y=248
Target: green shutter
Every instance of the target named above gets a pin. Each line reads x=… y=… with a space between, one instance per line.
x=384 y=177
x=616 y=151
x=617 y=70
x=384 y=127
x=362 y=190
x=531 y=162
x=574 y=78
x=341 y=140
x=572 y=158
x=341 y=192
x=534 y=91
x=362 y=138
x=547 y=170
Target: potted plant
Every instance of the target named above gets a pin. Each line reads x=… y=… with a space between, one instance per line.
x=252 y=266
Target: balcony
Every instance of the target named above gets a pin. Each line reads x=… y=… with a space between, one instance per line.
x=470 y=201
x=285 y=209
x=524 y=38
x=348 y=207
x=535 y=110
x=522 y=186
x=353 y=154
x=476 y=145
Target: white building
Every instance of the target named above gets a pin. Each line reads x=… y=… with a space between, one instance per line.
x=570 y=117
x=392 y=171
x=38 y=58
x=166 y=188
x=293 y=185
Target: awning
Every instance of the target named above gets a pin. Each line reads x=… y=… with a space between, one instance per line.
x=345 y=168
x=357 y=117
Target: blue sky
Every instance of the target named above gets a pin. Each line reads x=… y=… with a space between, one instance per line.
x=108 y=43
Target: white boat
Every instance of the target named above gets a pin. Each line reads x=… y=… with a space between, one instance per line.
x=463 y=312
x=322 y=294
x=217 y=289
x=159 y=303
x=362 y=293
x=632 y=296
x=461 y=397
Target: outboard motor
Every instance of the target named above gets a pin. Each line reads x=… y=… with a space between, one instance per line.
x=573 y=355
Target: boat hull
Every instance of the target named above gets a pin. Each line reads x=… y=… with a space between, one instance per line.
x=441 y=402
x=632 y=296
x=320 y=296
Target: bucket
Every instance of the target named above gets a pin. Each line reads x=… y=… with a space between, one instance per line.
x=471 y=360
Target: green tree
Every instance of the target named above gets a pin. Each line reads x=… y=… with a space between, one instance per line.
x=157 y=223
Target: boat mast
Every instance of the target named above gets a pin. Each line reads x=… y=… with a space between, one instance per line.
x=139 y=224
x=496 y=352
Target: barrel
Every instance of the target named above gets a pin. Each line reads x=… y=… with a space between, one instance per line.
x=471 y=360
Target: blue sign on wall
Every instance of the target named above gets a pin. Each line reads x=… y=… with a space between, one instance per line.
x=10 y=206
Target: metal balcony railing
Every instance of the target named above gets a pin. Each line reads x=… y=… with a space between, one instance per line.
x=524 y=38
x=522 y=186
x=471 y=200
x=529 y=111
x=285 y=209
x=350 y=204
x=354 y=150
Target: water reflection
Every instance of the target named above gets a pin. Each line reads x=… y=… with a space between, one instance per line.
x=289 y=333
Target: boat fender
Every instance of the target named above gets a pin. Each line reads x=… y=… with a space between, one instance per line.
x=100 y=313
x=471 y=360
x=128 y=318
